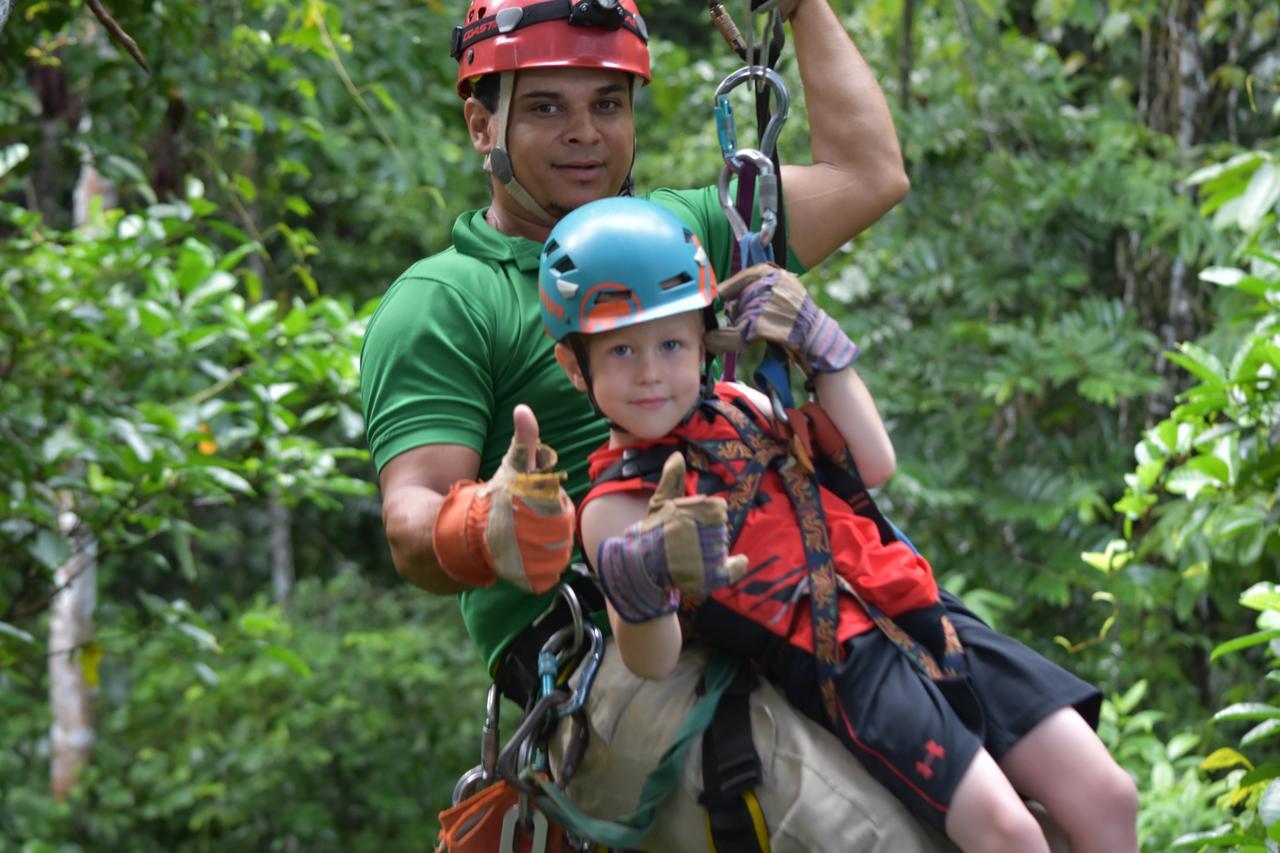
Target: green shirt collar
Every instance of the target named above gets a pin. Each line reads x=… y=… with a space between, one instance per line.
x=474 y=236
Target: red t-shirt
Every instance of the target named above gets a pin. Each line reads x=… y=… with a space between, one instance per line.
x=890 y=576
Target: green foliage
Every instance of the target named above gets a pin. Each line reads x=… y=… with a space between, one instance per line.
x=1200 y=504
x=1172 y=793
x=142 y=375
x=1252 y=798
x=338 y=724
x=322 y=129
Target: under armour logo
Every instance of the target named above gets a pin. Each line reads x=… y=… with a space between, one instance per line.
x=931 y=751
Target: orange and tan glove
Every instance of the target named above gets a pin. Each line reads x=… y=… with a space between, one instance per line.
x=517 y=525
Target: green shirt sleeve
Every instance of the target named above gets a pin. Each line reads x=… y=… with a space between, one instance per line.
x=424 y=369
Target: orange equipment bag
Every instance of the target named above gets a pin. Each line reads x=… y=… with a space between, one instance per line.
x=489 y=820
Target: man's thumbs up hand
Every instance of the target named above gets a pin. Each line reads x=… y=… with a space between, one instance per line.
x=517 y=526
x=681 y=546
x=523 y=452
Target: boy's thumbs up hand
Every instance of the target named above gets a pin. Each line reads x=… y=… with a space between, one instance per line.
x=517 y=526
x=681 y=546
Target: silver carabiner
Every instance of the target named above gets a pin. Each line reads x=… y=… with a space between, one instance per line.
x=514 y=820
x=486 y=772
x=590 y=665
x=575 y=611
x=468 y=784
x=767 y=202
x=725 y=127
x=490 y=737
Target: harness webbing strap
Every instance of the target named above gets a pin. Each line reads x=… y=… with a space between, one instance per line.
x=630 y=830
x=802 y=489
x=730 y=772
x=803 y=492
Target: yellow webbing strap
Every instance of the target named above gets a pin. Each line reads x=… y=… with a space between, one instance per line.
x=757 y=824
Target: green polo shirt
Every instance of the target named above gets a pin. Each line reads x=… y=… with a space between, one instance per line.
x=457 y=342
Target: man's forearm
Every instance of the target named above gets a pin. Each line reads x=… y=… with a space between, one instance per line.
x=409 y=520
x=857 y=174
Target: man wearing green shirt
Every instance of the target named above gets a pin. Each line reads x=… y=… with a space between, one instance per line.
x=457 y=344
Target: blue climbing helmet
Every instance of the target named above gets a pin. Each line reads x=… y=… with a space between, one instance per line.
x=617 y=262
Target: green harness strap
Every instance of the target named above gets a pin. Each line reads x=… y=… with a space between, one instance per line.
x=630 y=830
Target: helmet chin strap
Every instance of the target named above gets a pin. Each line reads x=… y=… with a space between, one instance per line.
x=498 y=162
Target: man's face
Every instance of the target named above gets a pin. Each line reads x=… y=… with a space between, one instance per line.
x=570 y=135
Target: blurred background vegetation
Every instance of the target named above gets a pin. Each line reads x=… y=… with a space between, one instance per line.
x=1070 y=325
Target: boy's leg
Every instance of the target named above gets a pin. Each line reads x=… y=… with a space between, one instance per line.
x=987 y=814
x=1062 y=764
x=1041 y=716
x=815 y=795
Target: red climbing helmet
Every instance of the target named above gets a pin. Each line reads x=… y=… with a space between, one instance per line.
x=507 y=35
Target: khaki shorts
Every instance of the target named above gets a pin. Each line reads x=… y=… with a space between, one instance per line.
x=815 y=795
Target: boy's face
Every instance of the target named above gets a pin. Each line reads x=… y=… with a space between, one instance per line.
x=645 y=377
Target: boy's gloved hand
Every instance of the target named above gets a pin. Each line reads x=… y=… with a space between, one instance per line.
x=682 y=545
x=517 y=526
x=765 y=302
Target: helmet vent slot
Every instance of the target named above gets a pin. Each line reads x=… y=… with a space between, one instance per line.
x=676 y=281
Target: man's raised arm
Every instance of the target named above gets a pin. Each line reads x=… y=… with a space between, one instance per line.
x=857 y=174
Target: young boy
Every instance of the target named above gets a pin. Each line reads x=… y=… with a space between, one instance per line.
x=739 y=544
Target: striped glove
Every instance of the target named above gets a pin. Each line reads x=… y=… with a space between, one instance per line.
x=682 y=545
x=765 y=302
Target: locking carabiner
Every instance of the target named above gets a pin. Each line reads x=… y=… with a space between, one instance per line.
x=727 y=131
x=767 y=202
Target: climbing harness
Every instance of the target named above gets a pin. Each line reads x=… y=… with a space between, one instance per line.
x=494 y=807
x=509 y=802
x=808 y=453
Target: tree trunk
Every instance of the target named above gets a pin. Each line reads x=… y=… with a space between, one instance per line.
x=71 y=734
x=281 y=520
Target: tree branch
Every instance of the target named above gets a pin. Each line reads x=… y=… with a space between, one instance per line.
x=118 y=35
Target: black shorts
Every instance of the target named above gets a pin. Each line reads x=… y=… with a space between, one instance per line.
x=917 y=736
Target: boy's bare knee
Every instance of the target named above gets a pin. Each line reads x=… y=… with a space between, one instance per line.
x=1117 y=801
x=1106 y=821
x=1016 y=831
x=1004 y=827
